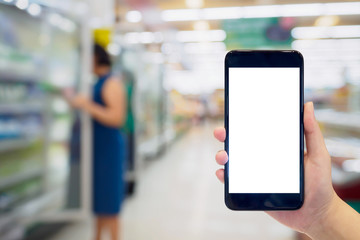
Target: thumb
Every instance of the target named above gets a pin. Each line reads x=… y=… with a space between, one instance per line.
x=314 y=140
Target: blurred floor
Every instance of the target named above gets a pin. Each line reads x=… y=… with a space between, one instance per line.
x=178 y=197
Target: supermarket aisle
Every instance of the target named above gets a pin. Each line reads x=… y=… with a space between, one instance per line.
x=180 y=198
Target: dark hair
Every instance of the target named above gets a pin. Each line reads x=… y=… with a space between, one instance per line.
x=102 y=58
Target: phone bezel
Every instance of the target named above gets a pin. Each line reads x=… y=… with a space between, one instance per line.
x=264 y=201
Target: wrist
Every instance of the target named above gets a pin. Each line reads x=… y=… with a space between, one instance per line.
x=338 y=221
x=323 y=227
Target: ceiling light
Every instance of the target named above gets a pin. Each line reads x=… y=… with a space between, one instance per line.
x=133 y=16
x=301 y=10
x=326 y=44
x=147 y=37
x=222 y=13
x=351 y=31
x=34 y=9
x=22 y=4
x=201 y=36
x=114 y=49
x=327 y=21
x=61 y=22
x=285 y=10
x=132 y=37
x=143 y=37
x=205 y=48
x=181 y=15
x=194 y=3
x=201 y=26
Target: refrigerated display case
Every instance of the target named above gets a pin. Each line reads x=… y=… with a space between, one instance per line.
x=151 y=130
x=150 y=97
x=39 y=60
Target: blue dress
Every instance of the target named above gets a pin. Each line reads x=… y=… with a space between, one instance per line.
x=108 y=162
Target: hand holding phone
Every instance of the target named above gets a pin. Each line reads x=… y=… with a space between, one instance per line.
x=68 y=93
x=320 y=197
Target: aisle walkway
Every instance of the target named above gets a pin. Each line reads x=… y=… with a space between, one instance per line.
x=179 y=198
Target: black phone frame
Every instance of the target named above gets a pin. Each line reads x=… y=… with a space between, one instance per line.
x=264 y=201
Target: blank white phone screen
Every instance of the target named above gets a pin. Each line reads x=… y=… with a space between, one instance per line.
x=264 y=130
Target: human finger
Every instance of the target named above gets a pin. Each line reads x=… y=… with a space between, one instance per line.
x=220 y=134
x=220 y=175
x=221 y=157
x=315 y=144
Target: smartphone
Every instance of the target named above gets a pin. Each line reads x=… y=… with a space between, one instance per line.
x=264 y=99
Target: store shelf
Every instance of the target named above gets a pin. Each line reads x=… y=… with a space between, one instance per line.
x=29 y=208
x=21 y=108
x=342 y=178
x=17 y=78
x=343 y=147
x=38 y=204
x=14 y=144
x=30 y=83
x=20 y=177
x=340 y=120
x=348 y=148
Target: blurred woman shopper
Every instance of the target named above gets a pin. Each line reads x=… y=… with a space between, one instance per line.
x=108 y=110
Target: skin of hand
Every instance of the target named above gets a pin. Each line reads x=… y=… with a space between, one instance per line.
x=80 y=101
x=113 y=114
x=321 y=202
